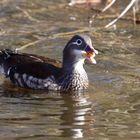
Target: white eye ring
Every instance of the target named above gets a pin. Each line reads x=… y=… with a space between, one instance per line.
x=78 y=42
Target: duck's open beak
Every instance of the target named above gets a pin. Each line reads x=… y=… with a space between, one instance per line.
x=90 y=54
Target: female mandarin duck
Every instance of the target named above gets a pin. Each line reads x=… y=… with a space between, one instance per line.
x=37 y=72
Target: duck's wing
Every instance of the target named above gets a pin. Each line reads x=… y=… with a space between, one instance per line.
x=12 y=63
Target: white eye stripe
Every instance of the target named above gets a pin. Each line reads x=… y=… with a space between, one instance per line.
x=78 y=42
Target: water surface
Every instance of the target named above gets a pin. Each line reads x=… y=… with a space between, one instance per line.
x=109 y=110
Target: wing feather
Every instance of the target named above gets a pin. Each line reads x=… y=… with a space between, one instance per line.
x=22 y=63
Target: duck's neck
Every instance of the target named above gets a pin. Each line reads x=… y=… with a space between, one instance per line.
x=72 y=66
x=74 y=75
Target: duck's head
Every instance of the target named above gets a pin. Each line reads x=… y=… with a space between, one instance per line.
x=78 y=49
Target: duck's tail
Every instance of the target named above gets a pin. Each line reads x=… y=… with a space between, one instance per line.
x=4 y=56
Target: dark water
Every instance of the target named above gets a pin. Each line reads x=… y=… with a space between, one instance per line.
x=109 y=110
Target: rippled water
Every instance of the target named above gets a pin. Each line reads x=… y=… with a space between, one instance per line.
x=109 y=110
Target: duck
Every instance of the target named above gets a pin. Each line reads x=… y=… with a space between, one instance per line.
x=38 y=72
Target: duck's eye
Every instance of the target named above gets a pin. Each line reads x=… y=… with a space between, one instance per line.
x=79 y=41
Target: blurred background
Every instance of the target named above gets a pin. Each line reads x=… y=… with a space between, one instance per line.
x=110 y=108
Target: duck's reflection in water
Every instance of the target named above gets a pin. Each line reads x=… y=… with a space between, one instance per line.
x=49 y=115
x=77 y=118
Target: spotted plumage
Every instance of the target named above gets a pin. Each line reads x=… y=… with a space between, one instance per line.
x=37 y=72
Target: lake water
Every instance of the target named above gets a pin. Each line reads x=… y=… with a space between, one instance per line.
x=109 y=110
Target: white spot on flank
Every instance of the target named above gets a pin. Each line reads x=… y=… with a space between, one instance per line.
x=35 y=80
x=16 y=75
x=1 y=69
x=24 y=77
x=28 y=83
x=20 y=82
x=40 y=81
x=8 y=72
x=32 y=85
x=30 y=78
x=18 y=78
